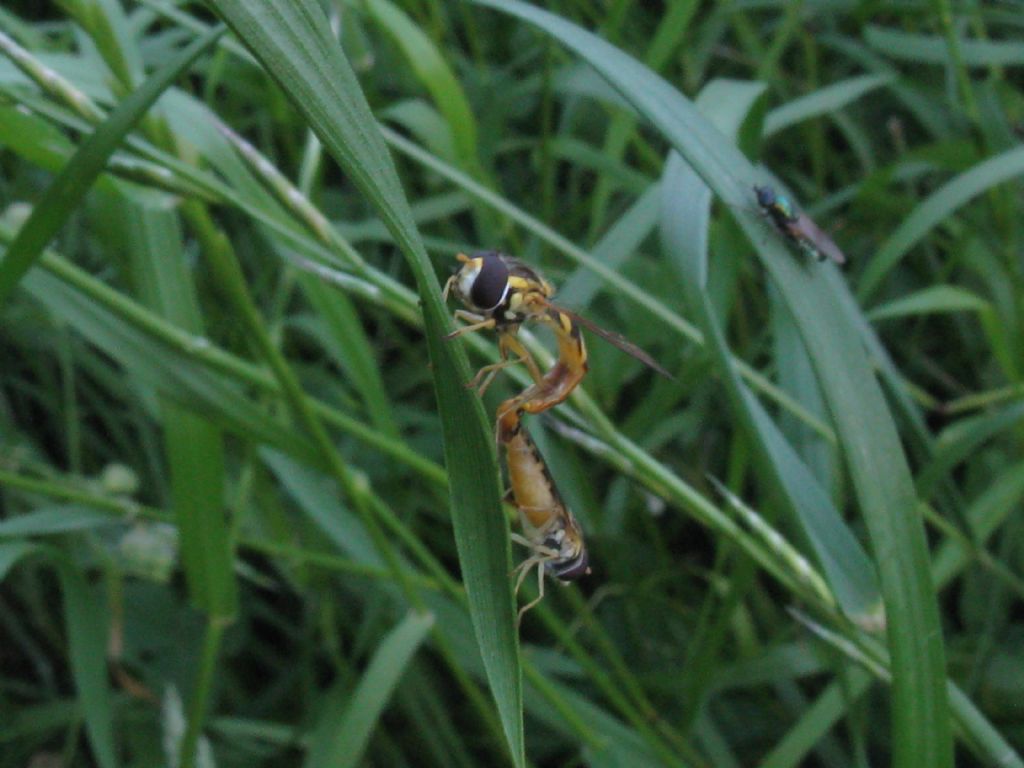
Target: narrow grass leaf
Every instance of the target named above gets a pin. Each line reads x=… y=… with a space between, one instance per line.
x=847 y=568
x=934 y=49
x=610 y=742
x=293 y=42
x=822 y=101
x=964 y=438
x=345 y=340
x=86 y=623
x=63 y=196
x=621 y=240
x=818 y=718
x=987 y=513
x=990 y=746
x=195 y=450
x=933 y=300
x=934 y=210
x=434 y=73
x=54 y=520
x=921 y=730
x=343 y=733
x=317 y=496
x=168 y=369
x=12 y=552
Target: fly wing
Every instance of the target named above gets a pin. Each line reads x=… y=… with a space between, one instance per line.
x=619 y=341
x=806 y=228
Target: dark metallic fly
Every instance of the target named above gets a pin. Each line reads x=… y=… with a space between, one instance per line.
x=798 y=228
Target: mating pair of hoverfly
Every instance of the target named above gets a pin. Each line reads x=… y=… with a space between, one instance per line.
x=502 y=293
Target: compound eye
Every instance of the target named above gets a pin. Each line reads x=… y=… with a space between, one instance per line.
x=490 y=285
x=576 y=568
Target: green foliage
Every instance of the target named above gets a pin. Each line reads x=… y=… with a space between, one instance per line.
x=250 y=515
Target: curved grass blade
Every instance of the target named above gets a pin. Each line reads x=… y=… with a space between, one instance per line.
x=878 y=468
x=170 y=371
x=822 y=101
x=846 y=566
x=433 y=71
x=343 y=732
x=293 y=42
x=935 y=299
x=935 y=209
x=933 y=49
x=62 y=197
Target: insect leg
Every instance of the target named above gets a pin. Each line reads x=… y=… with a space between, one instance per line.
x=524 y=568
x=521 y=540
x=516 y=346
x=537 y=599
x=489 y=372
x=448 y=287
x=507 y=342
x=478 y=323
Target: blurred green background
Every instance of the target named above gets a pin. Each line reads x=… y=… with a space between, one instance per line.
x=250 y=515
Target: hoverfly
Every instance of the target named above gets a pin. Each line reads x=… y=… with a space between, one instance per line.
x=798 y=228
x=502 y=293
x=551 y=532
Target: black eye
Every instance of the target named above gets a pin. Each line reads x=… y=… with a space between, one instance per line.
x=576 y=568
x=489 y=287
x=765 y=196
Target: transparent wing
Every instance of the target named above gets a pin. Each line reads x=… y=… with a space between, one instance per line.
x=619 y=341
x=806 y=228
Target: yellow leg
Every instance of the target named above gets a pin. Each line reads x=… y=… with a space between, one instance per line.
x=537 y=599
x=477 y=326
x=488 y=373
x=523 y=570
x=522 y=541
x=540 y=556
x=515 y=346
x=448 y=287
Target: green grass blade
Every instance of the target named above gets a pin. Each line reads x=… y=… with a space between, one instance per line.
x=341 y=736
x=194 y=446
x=622 y=239
x=188 y=367
x=817 y=720
x=933 y=49
x=436 y=76
x=53 y=520
x=345 y=339
x=934 y=210
x=878 y=468
x=822 y=101
x=86 y=620
x=294 y=44
x=935 y=299
x=169 y=370
x=684 y=230
x=63 y=196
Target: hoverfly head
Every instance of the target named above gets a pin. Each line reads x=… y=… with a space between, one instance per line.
x=572 y=561
x=574 y=568
x=482 y=281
